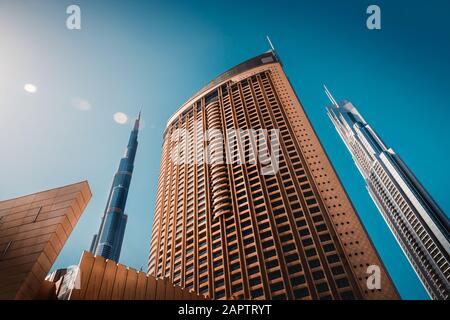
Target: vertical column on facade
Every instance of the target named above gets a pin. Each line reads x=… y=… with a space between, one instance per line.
x=245 y=191
x=160 y=199
x=179 y=260
x=191 y=276
x=280 y=253
x=205 y=230
x=273 y=288
x=237 y=269
x=170 y=236
x=320 y=284
x=220 y=194
x=187 y=248
x=220 y=190
x=316 y=214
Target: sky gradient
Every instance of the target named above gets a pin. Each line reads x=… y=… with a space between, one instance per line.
x=155 y=55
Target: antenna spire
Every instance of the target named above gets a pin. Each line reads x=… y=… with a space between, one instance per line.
x=272 y=48
x=270 y=43
x=330 y=96
x=138 y=120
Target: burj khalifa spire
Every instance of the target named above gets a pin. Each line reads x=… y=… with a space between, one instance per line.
x=108 y=242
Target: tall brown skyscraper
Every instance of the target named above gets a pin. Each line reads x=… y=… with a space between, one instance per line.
x=238 y=230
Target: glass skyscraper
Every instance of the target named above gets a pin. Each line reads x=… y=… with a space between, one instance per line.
x=108 y=242
x=417 y=222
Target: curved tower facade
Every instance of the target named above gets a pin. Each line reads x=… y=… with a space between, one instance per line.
x=108 y=242
x=232 y=229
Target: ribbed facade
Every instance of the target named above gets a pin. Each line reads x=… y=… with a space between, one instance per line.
x=227 y=230
x=33 y=231
x=421 y=228
x=97 y=278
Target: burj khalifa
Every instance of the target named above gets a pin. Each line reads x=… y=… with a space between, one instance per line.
x=108 y=241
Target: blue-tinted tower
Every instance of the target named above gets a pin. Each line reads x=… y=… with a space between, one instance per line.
x=108 y=242
x=421 y=228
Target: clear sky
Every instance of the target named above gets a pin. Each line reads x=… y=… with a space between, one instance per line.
x=156 y=54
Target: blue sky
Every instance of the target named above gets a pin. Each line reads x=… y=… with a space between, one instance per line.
x=130 y=54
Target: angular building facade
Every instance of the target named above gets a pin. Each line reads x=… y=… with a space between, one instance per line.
x=421 y=228
x=108 y=241
x=231 y=231
x=97 y=278
x=33 y=231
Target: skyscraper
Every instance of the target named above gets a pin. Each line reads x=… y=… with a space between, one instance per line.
x=233 y=229
x=417 y=222
x=108 y=242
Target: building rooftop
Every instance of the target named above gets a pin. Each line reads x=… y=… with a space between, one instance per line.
x=265 y=58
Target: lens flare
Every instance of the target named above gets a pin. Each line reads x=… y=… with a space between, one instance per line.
x=120 y=118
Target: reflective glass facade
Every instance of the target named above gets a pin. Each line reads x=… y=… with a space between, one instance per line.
x=417 y=222
x=108 y=242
